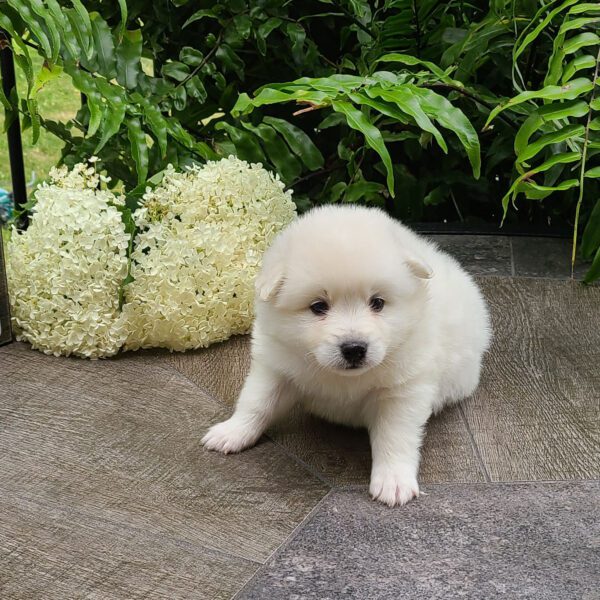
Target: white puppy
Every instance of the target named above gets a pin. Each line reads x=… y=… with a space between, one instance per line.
x=364 y=323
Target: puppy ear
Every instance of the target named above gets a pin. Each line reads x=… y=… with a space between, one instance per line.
x=269 y=280
x=419 y=268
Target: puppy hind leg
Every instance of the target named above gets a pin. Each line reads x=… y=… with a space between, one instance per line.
x=264 y=398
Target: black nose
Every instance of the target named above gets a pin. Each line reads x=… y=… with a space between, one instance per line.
x=354 y=352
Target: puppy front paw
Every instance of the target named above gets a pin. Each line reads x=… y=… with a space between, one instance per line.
x=394 y=485
x=230 y=436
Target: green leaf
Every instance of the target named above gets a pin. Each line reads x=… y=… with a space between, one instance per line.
x=243 y=25
x=245 y=104
x=195 y=88
x=584 y=7
x=24 y=61
x=590 y=241
x=103 y=45
x=297 y=36
x=190 y=56
x=139 y=148
x=594 y=271
x=278 y=153
x=452 y=118
x=8 y=107
x=62 y=23
x=578 y=24
x=436 y=196
x=48 y=20
x=133 y=197
x=179 y=96
x=157 y=123
x=116 y=114
x=566 y=133
x=32 y=108
x=405 y=98
x=48 y=72
x=334 y=84
x=176 y=70
x=587 y=61
x=203 y=150
x=332 y=120
x=129 y=54
x=559 y=187
x=245 y=143
x=362 y=190
x=337 y=190
x=357 y=120
x=407 y=59
x=569 y=91
x=594 y=172
x=300 y=144
x=86 y=84
x=580 y=41
x=563 y=158
x=131 y=229
x=231 y=61
x=34 y=25
x=520 y=47
x=200 y=14
x=385 y=108
x=263 y=32
x=81 y=28
x=123 y=24
x=545 y=114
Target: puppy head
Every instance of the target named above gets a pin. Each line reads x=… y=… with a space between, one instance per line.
x=340 y=288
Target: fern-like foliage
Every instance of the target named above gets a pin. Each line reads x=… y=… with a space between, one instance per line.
x=557 y=146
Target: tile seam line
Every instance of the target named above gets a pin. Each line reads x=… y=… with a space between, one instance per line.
x=286 y=451
x=474 y=445
x=356 y=487
x=175 y=371
x=293 y=535
x=306 y=466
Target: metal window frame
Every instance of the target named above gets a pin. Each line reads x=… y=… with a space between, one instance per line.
x=17 y=173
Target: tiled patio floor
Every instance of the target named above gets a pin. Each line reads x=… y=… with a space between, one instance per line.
x=106 y=492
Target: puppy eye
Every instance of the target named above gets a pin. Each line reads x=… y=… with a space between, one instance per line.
x=377 y=304
x=319 y=307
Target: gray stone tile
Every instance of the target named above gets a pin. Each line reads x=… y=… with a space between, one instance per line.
x=479 y=254
x=478 y=541
x=544 y=257
x=536 y=413
x=116 y=443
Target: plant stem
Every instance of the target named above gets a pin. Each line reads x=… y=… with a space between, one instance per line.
x=586 y=140
x=205 y=60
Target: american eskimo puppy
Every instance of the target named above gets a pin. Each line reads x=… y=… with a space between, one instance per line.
x=363 y=323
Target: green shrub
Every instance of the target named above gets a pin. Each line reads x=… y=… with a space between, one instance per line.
x=396 y=103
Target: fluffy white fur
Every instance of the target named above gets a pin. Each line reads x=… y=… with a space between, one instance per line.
x=424 y=347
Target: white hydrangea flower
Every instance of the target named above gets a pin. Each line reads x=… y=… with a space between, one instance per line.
x=65 y=270
x=202 y=237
